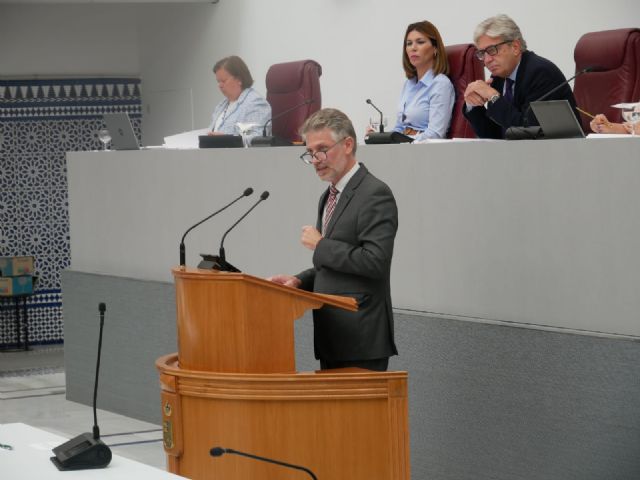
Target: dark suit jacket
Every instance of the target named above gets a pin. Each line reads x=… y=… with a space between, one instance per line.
x=536 y=76
x=354 y=259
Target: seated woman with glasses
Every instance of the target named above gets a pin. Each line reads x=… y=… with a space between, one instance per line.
x=242 y=104
x=427 y=98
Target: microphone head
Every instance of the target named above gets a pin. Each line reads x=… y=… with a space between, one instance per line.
x=248 y=191
x=102 y=307
x=217 y=451
x=264 y=195
x=593 y=68
x=368 y=100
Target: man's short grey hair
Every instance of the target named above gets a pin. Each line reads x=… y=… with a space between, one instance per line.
x=333 y=119
x=500 y=26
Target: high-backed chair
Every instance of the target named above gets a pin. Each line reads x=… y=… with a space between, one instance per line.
x=464 y=68
x=617 y=54
x=288 y=85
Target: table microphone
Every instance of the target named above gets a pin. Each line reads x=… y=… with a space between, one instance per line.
x=219 y=451
x=219 y=262
x=555 y=89
x=248 y=191
x=380 y=112
x=86 y=451
x=271 y=141
x=526 y=132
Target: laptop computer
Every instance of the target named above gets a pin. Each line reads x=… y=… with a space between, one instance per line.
x=557 y=120
x=122 y=135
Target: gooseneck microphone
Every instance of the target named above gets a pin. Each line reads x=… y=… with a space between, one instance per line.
x=96 y=430
x=86 y=451
x=264 y=127
x=554 y=90
x=270 y=140
x=225 y=266
x=526 y=132
x=558 y=87
x=219 y=451
x=248 y=191
x=380 y=112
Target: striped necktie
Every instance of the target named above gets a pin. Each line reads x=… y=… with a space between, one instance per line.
x=330 y=207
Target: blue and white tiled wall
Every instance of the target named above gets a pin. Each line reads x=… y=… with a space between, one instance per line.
x=40 y=120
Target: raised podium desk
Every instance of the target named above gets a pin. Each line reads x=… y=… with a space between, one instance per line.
x=233 y=384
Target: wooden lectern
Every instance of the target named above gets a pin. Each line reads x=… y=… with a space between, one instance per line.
x=233 y=384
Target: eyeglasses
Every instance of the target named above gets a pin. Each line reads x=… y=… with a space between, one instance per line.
x=491 y=50
x=320 y=155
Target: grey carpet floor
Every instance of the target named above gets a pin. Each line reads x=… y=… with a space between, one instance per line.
x=33 y=373
x=37 y=361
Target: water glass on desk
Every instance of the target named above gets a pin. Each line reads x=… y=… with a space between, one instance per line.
x=245 y=129
x=105 y=137
x=374 y=123
x=631 y=115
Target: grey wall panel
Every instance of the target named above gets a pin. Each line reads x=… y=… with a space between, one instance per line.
x=486 y=401
x=500 y=402
x=139 y=327
x=532 y=232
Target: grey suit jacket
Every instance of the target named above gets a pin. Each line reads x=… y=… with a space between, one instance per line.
x=354 y=259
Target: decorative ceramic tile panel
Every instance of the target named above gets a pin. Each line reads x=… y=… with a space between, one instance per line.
x=40 y=120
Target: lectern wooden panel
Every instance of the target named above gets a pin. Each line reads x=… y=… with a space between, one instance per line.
x=349 y=423
x=233 y=384
x=234 y=322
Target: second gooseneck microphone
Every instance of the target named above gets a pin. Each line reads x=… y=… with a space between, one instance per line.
x=281 y=114
x=531 y=133
x=554 y=90
x=380 y=112
x=270 y=140
x=219 y=451
x=224 y=265
x=248 y=191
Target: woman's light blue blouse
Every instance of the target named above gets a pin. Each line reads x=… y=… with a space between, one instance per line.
x=426 y=105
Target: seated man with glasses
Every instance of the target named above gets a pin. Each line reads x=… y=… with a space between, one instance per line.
x=518 y=77
x=352 y=244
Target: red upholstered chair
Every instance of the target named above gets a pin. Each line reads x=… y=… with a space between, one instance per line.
x=464 y=68
x=290 y=84
x=617 y=53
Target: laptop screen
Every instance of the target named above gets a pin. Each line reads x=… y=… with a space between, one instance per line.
x=557 y=120
x=122 y=135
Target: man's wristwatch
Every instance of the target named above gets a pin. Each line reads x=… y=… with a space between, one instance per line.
x=494 y=98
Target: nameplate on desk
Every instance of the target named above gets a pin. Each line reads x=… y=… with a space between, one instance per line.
x=375 y=138
x=220 y=141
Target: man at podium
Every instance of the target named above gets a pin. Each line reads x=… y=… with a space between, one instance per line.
x=352 y=244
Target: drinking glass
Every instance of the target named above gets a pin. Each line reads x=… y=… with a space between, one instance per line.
x=245 y=129
x=374 y=122
x=631 y=114
x=105 y=137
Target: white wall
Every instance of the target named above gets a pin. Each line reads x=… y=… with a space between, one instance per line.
x=357 y=42
x=63 y=40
